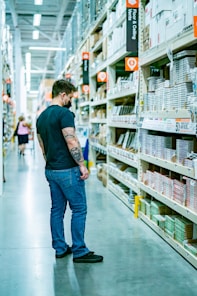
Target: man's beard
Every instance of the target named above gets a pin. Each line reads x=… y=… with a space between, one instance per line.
x=68 y=105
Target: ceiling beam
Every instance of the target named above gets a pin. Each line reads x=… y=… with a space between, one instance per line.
x=42 y=33
x=39 y=43
x=13 y=12
x=60 y=16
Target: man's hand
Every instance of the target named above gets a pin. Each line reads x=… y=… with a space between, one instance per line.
x=84 y=172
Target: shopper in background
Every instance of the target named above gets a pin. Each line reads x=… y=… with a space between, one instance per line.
x=65 y=172
x=23 y=134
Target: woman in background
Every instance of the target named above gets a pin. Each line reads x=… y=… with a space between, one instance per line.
x=23 y=134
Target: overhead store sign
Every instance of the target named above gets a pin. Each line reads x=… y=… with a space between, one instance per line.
x=195 y=25
x=132 y=26
x=102 y=77
x=85 y=59
x=131 y=64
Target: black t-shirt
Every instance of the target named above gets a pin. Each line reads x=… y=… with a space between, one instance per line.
x=49 y=125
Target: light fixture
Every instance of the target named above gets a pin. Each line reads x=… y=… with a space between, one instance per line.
x=35 y=34
x=36 y=19
x=47 y=48
x=38 y=2
x=28 y=70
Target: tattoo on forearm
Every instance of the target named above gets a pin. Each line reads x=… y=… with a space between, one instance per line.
x=69 y=136
x=76 y=154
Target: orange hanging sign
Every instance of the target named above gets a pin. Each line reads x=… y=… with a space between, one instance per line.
x=85 y=55
x=102 y=77
x=67 y=75
x=85 y=89
x=131 y=64
x=132 y=3
x=195 y=25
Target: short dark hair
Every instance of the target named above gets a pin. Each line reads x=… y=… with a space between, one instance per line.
x=62 y=85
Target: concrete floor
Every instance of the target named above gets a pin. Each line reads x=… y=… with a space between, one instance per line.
x=136 y=260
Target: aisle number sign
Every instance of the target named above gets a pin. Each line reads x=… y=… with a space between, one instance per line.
x=132 y=24
x=131 y=64
x=85 y=60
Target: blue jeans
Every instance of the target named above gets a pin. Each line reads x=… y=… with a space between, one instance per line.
x=66 y=186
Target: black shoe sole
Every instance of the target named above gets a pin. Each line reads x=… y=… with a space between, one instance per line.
x=68 y=252
x=89 y=258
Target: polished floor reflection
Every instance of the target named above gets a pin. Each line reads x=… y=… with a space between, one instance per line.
x=136 y=261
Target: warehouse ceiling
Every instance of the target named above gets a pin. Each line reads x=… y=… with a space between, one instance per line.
x=55 y=15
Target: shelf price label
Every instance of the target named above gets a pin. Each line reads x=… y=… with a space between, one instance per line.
x=132 y=25
x=184 y=125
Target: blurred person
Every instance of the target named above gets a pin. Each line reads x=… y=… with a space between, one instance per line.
x=23 y=129
x=65 y=172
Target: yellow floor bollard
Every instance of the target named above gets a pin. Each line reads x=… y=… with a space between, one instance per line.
x=137 y=204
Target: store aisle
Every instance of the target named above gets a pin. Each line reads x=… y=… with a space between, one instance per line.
x=136 y=261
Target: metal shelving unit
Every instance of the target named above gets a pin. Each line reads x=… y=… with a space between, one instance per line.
x=158 y=122
x=176 y=245
x=164 y=123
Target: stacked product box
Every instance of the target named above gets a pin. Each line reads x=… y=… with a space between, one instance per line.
x=183 y=147
x=179 y=192
x=170 y=224
x=191 y=194
x=165 y=20
x=191 y=246
x=160 y=220
x=183 y=229
x=179 y=94
x=161 y=143
x=158 y=208
x=158 y=181
x=182 y=67
x=167 y=186
x=169 y=154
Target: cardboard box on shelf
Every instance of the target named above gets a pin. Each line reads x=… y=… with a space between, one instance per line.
x=93 y=39
x=148 y=13
x=157 y=6
x=104 y=49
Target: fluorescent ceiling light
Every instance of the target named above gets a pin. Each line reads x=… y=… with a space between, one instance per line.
x=35 y=34
x=37 y=19
x=38 y=2
x=47 y=48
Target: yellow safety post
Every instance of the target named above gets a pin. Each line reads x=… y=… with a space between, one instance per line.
x=137 y=204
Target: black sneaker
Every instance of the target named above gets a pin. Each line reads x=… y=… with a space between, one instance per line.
x=68 y=251
x=88 y=258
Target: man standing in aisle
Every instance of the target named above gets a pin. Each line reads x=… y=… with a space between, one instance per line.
x=65 y=172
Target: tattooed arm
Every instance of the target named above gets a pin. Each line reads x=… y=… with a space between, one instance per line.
x=75 y=149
